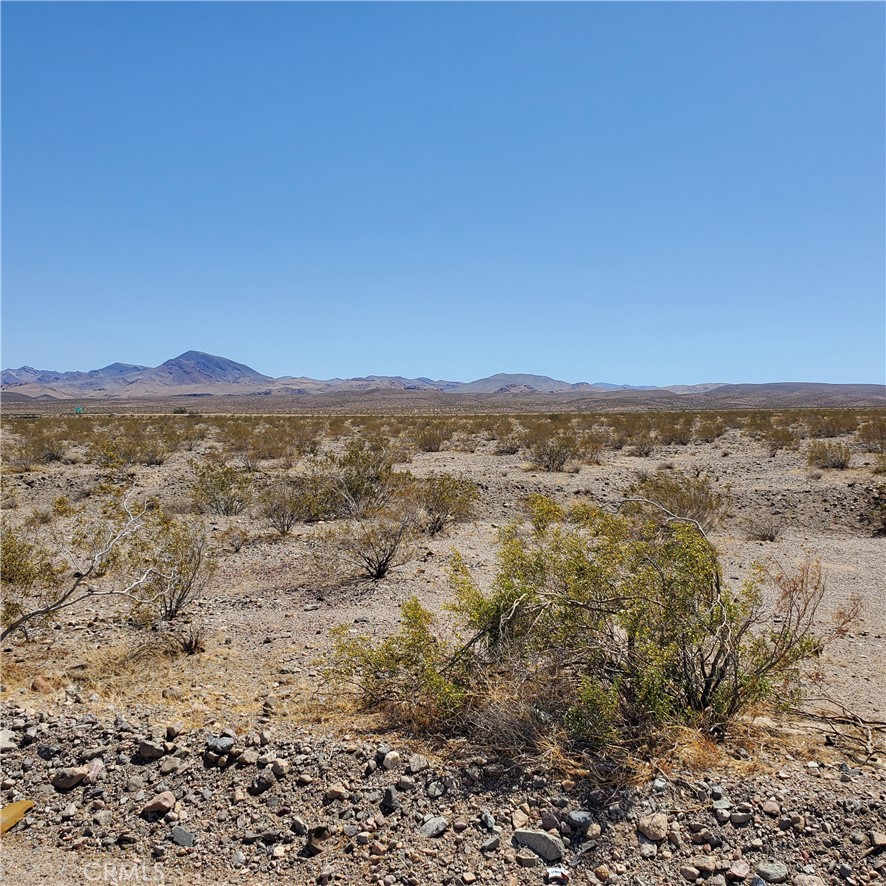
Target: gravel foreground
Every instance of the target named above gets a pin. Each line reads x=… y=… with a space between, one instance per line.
x=138 y=799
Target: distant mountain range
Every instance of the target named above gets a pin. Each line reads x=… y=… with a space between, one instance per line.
x=197 y=374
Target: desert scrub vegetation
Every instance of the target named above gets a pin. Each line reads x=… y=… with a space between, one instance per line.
x=221 y=489
x=131 y=551
x=823 y=454
x=598 y=631
x=551 y=450
x=872 y=434
x=443 y=499
x=369 y=547
x=666 y=495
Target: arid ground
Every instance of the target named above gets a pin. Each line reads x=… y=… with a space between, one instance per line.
x=94 y=683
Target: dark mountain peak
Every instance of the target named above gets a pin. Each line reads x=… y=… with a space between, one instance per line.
x=197 y=366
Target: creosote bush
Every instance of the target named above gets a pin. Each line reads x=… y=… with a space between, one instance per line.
x=674 y=493
x=551 y=451
x=131 y=551
x=443 y=500
x=373 y=545
x=829 y=455
x=220 y=489
x=601 y=625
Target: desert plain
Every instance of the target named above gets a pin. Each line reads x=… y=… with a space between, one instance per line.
x=213 y=748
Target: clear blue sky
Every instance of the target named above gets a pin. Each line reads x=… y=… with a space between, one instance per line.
x=636 y=193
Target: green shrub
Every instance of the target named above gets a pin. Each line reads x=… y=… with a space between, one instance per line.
x=677 y=495
x=551 y=451
x=403 y=674
x=179 y=566
x=596 y=626
x=220 y=489
x=363 y=475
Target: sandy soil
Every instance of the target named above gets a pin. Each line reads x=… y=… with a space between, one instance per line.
x=267 y=619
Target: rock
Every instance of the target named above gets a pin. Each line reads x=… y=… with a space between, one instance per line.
x=391 y=760
x=771 y=808
x=249 y=757
x=706 y=864
x=220 y=745
x=546 y=846
x=434 y=827
x=169 y=765
x=280 y=767
x=648 y=848
x=738 y=870
x=519 y=819
x=264 y=781
x=878 y=840
x=337 y=792
x=741 y=818
x=417 y=763
x=527 y=860
x=391 y=800
x=41 y=684
x=491 y=844
x=68 y=778
x=579 y=820
x=181 y=837
x=772 y=871
x=164 y=802
x=7 y=740
x=808 y=880
x=150 y=750
x=687 y=872
x=238 y=860
x=654 y=827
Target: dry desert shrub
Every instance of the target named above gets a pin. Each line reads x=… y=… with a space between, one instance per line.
x=131 y=551
x=370 y=546
x=778 y=437
x=708 y=428
x=665 y=495
x=764 y=529
x=872 y=434
x=830 y=422
x=432 y=435
x=823 y=454
x=674 y=429
x=442 y=500
x=551 y=450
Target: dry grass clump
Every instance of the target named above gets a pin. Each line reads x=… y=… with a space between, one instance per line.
x=764 y=529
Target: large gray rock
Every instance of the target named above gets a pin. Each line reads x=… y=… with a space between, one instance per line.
x=181 y=837
x=546 y=846
x=7 y=740
x=434 y=827
x=220 y=745
x=773 y=871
